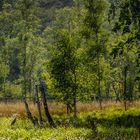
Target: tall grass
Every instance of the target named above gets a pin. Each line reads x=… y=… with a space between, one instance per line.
x=7 y=109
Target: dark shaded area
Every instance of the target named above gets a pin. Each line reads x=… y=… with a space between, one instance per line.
x=14 y=66
x=47 y=10
x=47 y=4
x=125 y=120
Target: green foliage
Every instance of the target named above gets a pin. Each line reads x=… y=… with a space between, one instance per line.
x=84 y=49
x=24 y=130
x=63 y=66
x=81 y=47
x=126 y=46
x=110 y=123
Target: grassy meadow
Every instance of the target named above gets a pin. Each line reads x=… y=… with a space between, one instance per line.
x=111 y=123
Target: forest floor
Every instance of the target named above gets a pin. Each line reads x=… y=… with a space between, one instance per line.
x=111 y=123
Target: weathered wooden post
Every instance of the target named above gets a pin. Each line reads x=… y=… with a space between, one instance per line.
x=43 y=89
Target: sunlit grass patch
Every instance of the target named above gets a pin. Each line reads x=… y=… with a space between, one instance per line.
x=24 y=130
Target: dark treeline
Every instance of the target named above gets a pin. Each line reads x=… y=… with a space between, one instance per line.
x=79 y=49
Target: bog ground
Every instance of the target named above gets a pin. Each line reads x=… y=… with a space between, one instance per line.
x=111 y=123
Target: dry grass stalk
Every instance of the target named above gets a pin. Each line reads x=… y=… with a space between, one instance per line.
x=9 y=108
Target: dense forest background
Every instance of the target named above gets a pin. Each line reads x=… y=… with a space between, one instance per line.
x=83 y=50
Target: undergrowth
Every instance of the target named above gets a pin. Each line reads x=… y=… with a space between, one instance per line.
x=108 y=124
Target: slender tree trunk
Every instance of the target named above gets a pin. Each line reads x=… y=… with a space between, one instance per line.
x=29 y=114
x=24 y=82
x=117 y=95
x=4 y=83
x=107 y=90
x=24 y=40
x=43 y=90
x=75 y=98
x=98 y=70
x=131 y=88
x=69 y=108
x=99 y=82
x=38 y=106
x=99 y=89
x=125 y=92
x=75 y=106
x=67 y=104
